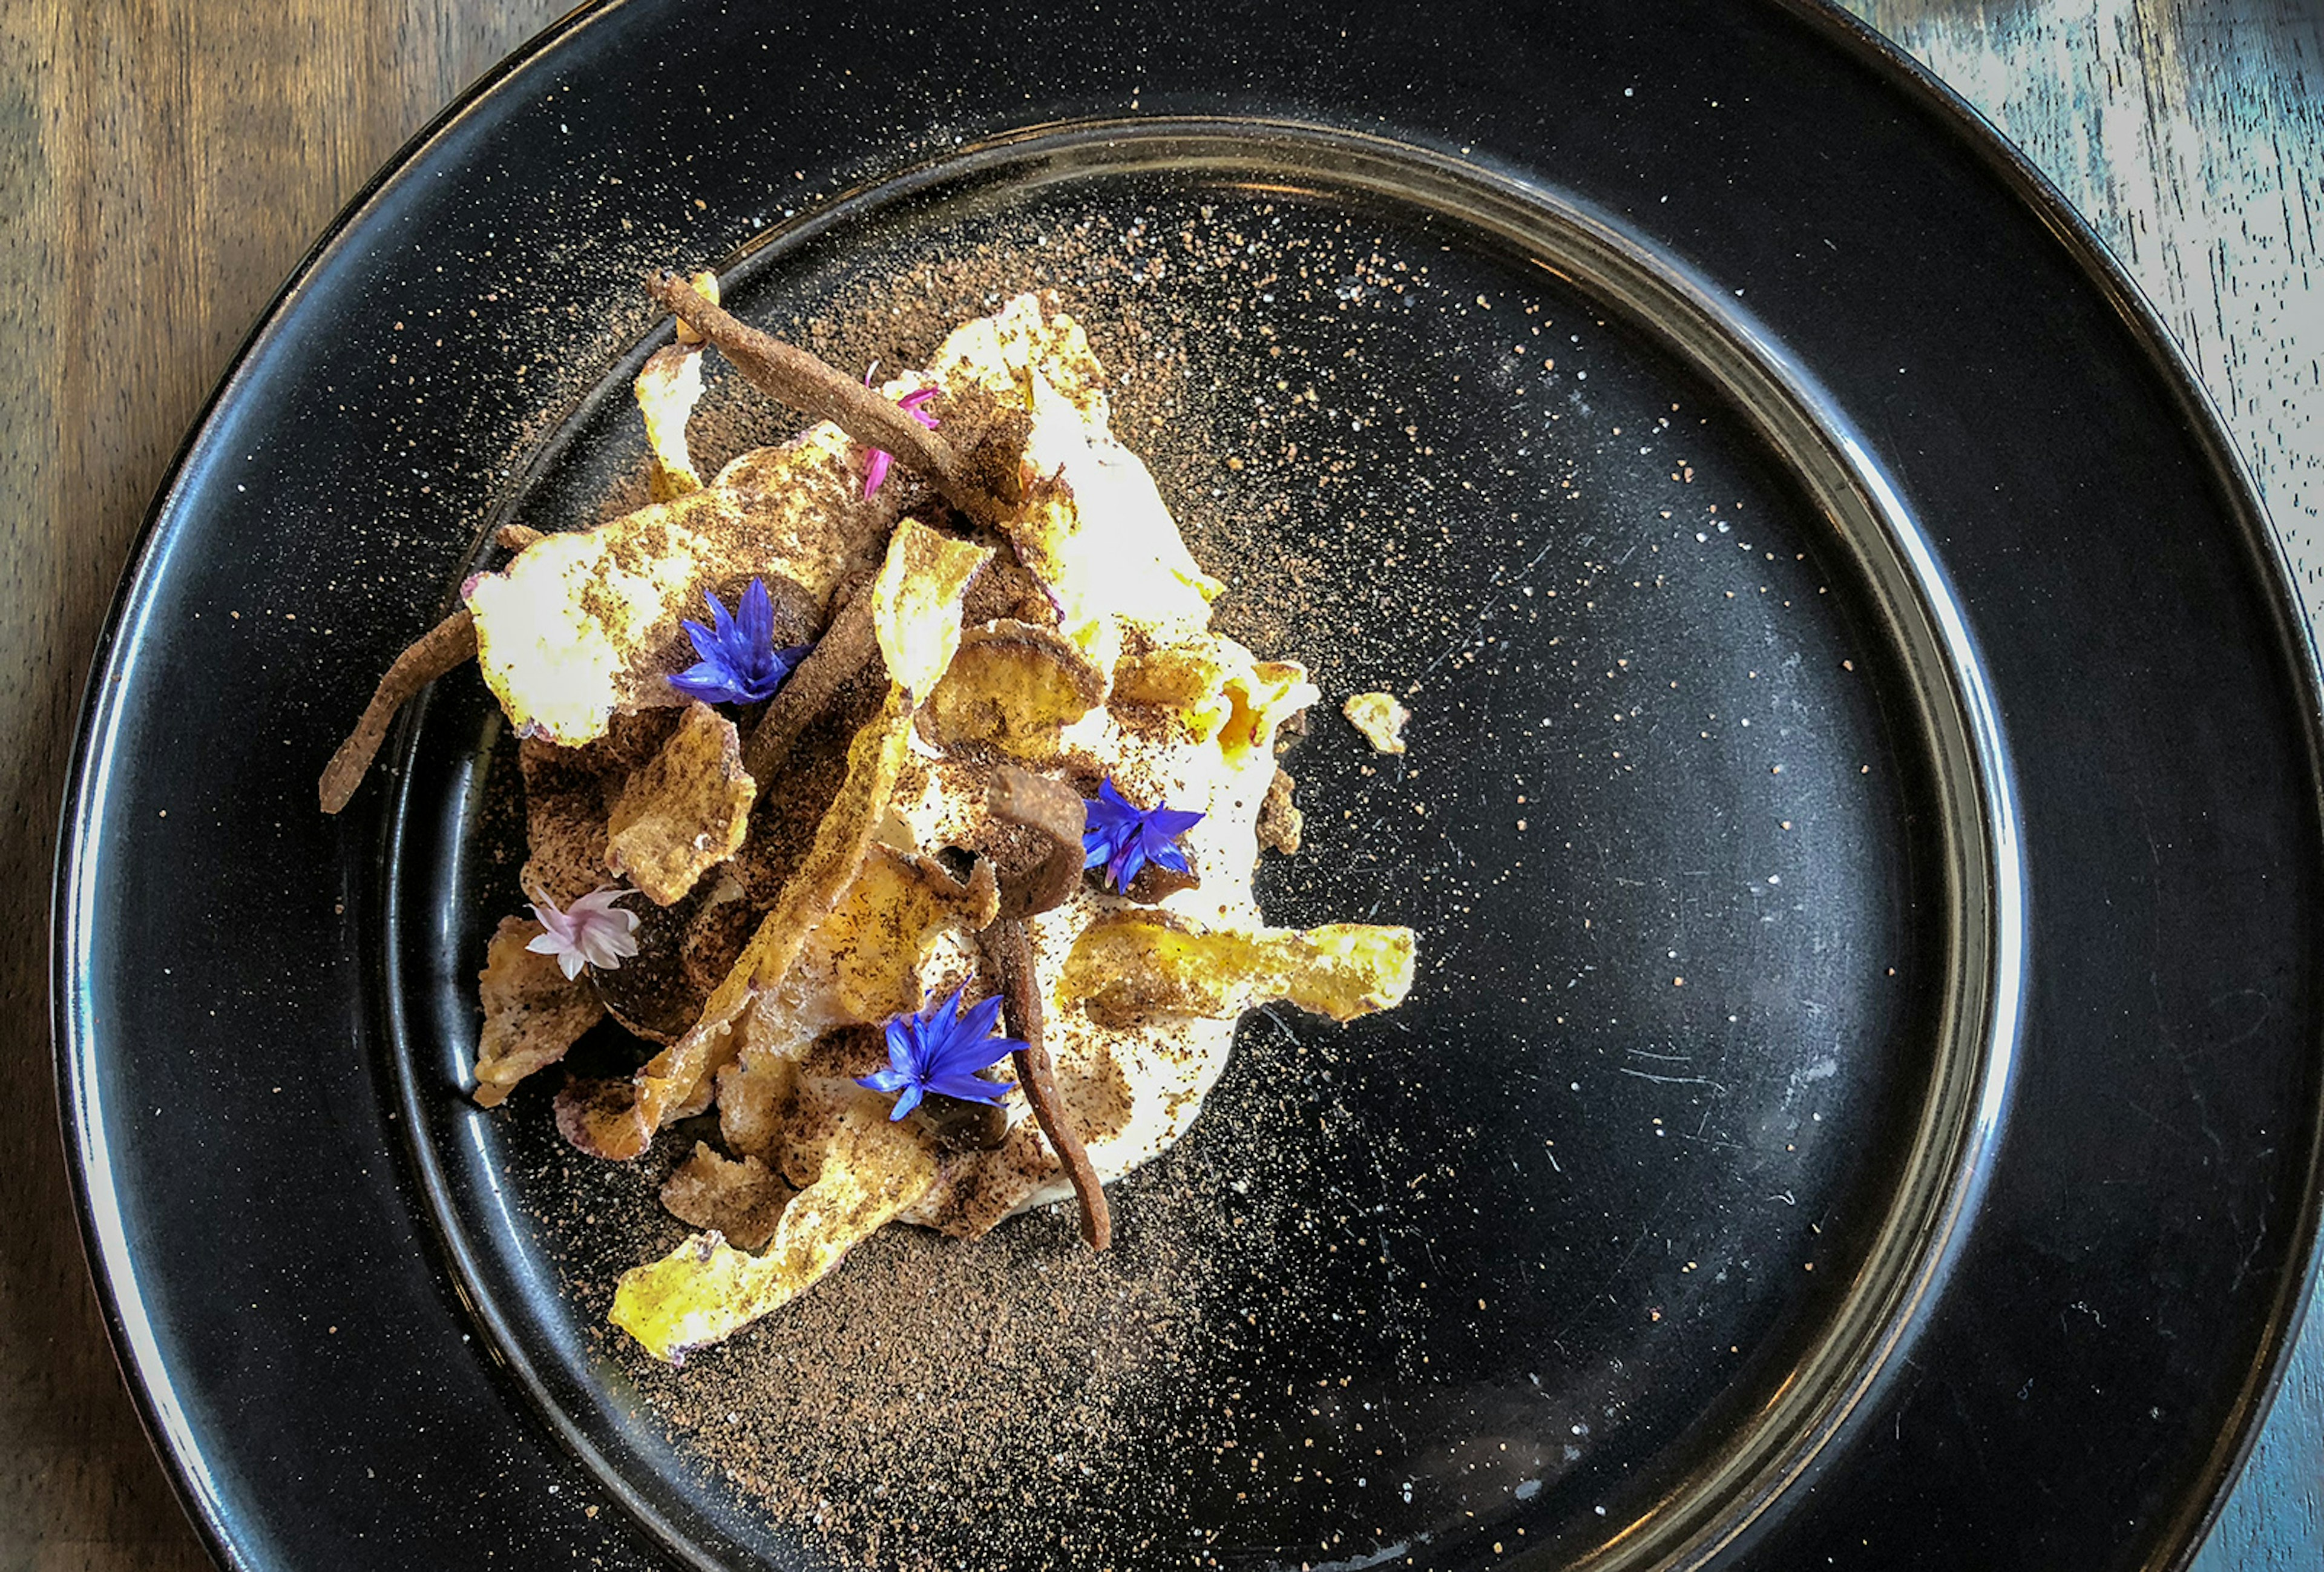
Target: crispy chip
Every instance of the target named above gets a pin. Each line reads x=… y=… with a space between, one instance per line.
x=585 y=623
x=1000 y=353
x=1219 y=689
x=1127 y=970
x=741 y=1200
x=705 y=1290
x=1280 y=822
x=861 y=964
x=1015 y=686
x=1380 y=718
x=1189 y=678
x=533 y=1012
x=1098 y=537
x=686 y=811
x=916 y=605
x=1259 y=701
x=666 y=389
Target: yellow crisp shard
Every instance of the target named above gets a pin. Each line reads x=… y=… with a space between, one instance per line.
x=1380 y=718
x=1221 y=690
x=705 y=1290
x=1016 y=688
x=589 y=621
x=1001 y=351
x=667 y=387
x=915 y=604
x=686 y=811
x=861 y=964
x=532 y=1010
x=1259 y=701
x=1129 y=970
x=1189 y=678
x=1095 y=533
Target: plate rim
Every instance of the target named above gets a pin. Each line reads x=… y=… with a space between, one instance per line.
x=1664 y=300
x=107 y=1249
x=2263 y=542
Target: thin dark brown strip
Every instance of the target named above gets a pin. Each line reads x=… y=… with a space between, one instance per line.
x=814 y=389
x=440 y=649
x=1009 y=952
x=847 y=646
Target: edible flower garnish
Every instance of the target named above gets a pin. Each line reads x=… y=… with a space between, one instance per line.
x=940 y=1051
x=876 y=463
x=739 y=663
x=591 y=930
x=1123 y=837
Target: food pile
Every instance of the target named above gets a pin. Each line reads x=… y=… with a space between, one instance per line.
x=864 y=749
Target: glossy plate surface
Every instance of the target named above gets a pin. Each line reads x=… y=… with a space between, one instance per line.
x=1860 y=1100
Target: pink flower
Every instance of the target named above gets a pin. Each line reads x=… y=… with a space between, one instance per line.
x=876 y=463
x=593 y=931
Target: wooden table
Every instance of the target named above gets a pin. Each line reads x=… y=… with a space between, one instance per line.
x=165 y=165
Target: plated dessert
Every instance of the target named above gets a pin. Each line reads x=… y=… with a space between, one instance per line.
x=877 y=759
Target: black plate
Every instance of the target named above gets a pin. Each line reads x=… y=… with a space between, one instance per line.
x=1954 y=1208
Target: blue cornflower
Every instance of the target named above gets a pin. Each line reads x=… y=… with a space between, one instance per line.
x=1124 y=838
x=941 y=1052
x=739 y=663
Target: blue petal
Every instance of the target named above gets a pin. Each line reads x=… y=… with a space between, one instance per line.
x=906 y=1103
x=904 y=1046
x=756 y=618
x=1126 y=864
x=976 y=1022
x=970 y=1049
x=707 y=682
x=722 y=622
x=945 y=1011
x=971 y=1088
x=887 y=1080
x=968 y=1057
x=705 y=643
x=1170 y=823
x=1167 y=857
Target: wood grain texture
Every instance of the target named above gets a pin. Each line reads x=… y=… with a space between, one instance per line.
x=164 y=166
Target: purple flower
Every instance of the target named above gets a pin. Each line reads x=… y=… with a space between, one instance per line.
x=739 y=663
x=940 y=1051
x=1124 y=838
x=876 y=463
x=591 y=930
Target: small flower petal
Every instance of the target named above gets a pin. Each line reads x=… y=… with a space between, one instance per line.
x=591 y=930
x=971 y=1088
x=1124 y=837
x=940 y=1051
x=739 y=663
x=876 y=460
